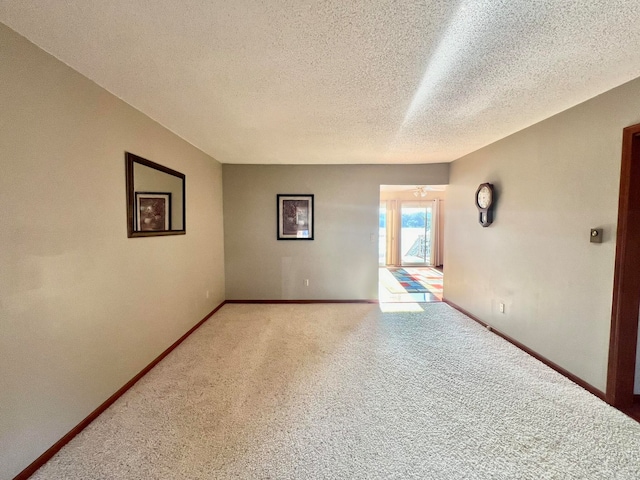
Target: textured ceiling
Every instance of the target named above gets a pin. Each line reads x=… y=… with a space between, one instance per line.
x=358 y=81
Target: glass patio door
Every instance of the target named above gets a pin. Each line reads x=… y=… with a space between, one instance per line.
x=415 y=233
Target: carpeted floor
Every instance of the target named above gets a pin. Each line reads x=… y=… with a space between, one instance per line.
x=347 y=392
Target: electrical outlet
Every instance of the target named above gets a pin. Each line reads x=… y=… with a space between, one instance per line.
x=501 y=307
x=208 y=293
x=306 y=282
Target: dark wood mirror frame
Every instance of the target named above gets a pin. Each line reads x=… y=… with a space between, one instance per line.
x=130 y=160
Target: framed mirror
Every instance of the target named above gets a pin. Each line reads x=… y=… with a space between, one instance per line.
x=155 y=198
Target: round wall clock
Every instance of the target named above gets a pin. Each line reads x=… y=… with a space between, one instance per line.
x=484 y=202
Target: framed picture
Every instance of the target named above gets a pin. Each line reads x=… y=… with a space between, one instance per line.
x=153 y=211
x=295 y=217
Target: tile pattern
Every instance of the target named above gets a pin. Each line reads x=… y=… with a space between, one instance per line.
x=423 y=282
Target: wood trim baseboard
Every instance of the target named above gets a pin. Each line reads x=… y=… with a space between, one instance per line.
x=302 y=301
x=55 y=448
x=590 y=388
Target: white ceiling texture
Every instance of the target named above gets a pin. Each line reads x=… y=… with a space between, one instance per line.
x=341 y=81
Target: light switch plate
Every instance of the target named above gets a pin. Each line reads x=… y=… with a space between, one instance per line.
x=596 y=235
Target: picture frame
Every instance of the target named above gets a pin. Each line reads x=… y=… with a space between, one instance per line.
x=295 y=217
x=153 y=211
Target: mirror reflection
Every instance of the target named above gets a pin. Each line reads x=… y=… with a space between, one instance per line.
x=155 y=198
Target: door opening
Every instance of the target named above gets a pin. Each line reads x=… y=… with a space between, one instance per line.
x=411 y=243
x=623 y=341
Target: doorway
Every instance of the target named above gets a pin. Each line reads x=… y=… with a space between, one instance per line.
x=623 y=344
x=410 y=244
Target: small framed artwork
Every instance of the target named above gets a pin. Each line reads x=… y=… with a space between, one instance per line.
x=153 y=211
x=295 y=217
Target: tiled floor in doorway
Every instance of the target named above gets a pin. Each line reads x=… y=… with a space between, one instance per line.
x=410 y=284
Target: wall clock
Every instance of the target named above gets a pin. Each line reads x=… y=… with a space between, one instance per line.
x=484 y=202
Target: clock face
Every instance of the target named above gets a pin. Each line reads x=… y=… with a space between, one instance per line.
x=484 y=197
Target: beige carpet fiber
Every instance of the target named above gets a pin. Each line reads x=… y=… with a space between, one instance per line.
x=348 y=392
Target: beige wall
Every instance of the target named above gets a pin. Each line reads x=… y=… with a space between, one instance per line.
x=342 y=261
x=83 y=308
x=554 y=181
